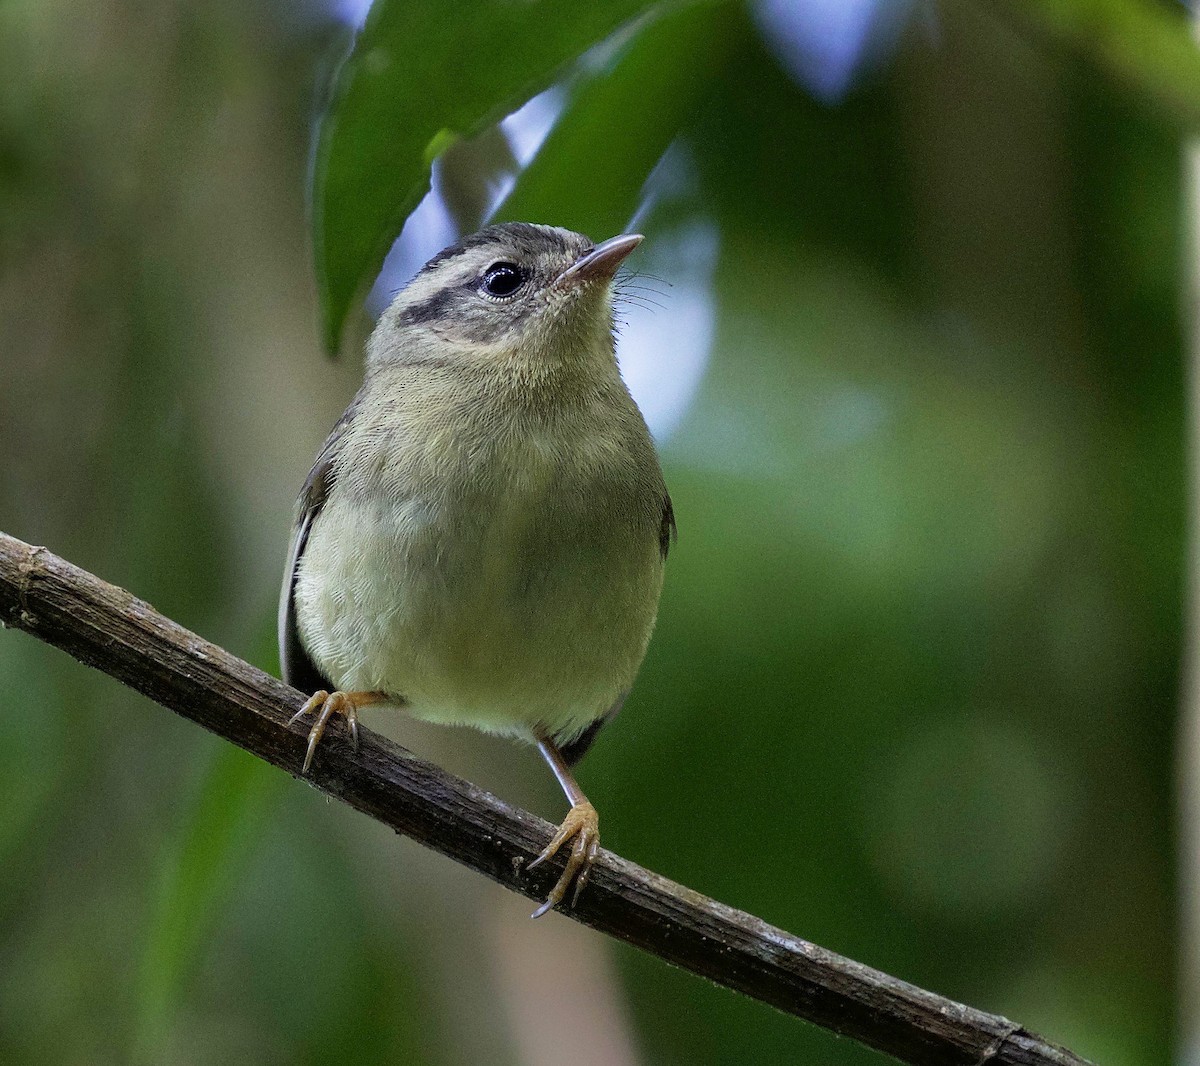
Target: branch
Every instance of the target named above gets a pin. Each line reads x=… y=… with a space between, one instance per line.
x=108 y=628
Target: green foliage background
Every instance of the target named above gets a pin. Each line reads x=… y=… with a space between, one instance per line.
x=914 y=689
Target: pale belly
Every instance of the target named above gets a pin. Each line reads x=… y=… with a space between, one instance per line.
x=510 y=612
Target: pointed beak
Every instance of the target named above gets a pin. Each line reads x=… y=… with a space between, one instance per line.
x=601 y=262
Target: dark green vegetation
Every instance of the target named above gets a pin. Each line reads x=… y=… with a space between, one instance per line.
x=914 y=689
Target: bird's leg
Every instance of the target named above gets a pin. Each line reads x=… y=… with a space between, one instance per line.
x=581 y=824
x=325 y=705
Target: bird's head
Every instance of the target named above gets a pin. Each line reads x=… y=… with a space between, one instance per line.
x=515 y=290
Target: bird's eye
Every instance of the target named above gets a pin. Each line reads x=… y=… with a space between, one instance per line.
x=503 y=279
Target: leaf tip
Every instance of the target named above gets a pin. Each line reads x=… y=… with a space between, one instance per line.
x=438 y=143
x=333 y=320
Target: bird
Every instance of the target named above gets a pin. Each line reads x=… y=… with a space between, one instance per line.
x=482 y=538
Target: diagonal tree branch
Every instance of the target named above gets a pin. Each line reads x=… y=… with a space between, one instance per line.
x=108 y=628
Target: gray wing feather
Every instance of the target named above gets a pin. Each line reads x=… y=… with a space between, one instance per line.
x=575 y=749
x=296 y=667
x=668 y=532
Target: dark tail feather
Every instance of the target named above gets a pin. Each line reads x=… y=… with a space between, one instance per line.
x=576 y=749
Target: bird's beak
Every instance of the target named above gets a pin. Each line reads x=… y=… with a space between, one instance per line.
x=601 y=262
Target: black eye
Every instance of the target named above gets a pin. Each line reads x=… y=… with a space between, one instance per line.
x=503 y=279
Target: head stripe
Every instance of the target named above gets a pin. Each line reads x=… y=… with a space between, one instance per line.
x=525 y=235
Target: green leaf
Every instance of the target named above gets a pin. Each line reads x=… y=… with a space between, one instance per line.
x=1143 y=46
x=589 y=173
x=421 y=73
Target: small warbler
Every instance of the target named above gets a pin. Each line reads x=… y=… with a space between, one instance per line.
x=482 y=537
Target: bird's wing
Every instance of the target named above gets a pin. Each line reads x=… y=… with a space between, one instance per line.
x=668 y=532
x=296 y=668
x=576 y=749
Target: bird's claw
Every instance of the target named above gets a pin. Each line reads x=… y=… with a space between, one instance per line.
x=583 y=825
x=325 y=705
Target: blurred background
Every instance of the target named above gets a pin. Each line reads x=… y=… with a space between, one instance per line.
x=914 y=346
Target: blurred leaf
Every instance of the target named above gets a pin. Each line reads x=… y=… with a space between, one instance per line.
x=32 y=760
x=394 y=97
x=195 y=876
x=589 y=172
x=1146 y=47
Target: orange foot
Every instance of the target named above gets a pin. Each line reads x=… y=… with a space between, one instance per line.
x=328 y=704
x=582 y=824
